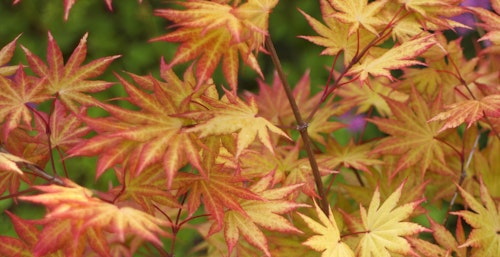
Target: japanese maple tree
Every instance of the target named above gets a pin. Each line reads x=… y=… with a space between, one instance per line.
x=267 y=172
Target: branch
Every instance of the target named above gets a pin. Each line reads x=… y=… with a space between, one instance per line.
x=36 y=170
x=301 y=126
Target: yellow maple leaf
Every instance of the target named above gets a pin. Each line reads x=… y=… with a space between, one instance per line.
x=328 y=239
x=335 y=35
x=232 y=116
x=484 y=218
x=384 y=226
x=364 y=98
x=8 y=162
x=359 y=12
x=395 y=58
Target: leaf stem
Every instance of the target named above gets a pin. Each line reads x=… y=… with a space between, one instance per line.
x=301 y=126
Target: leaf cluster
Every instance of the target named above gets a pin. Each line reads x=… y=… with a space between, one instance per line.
x=263 y=173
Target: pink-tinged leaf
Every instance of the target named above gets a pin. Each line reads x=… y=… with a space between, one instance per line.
x=6 y=54
x=15 y=96
x=396 y=58
x=483 y=217
x=8 y=162
x=10 y=246
x=54 y=236
x=217 y=191
x=24 y=229
x=264 y=213
x=70 y=83
x=469 y=111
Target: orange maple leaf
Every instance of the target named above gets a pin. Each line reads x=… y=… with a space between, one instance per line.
x=69 y=82
x=146 y=189
x=264 y=213
x=395 y=58
x=412 y=137
x=469 y=111
x=217 y=191
x=76 y=205
x=211 y=31
x=328 y=239
x=154 y=134
x=28 y=236
x=6 y=54
x=484 y=218
x=15 y=96
x=384 y=228
x=66 y=129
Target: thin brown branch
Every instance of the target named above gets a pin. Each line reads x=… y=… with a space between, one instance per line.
x=301 y=126
x=36 y=170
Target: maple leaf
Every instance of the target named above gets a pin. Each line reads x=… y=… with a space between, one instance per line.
x=265 y=213
x=430 y=14
x=28 y=236
x=275 y=107
x=6 y=54
x=445 y=239
x=153 y=134
x=412 y=136
x=484 y=218
x=335 y=35
x=15 y=95
x=211 y=31
x=397 y=57
x=328 y=240
x=363 y=98
x=8 y=162
x=384 y=228
x=146 y=189
x=217 y=191
x=69 y=82
x=231 y=116
x=76 y=205
x=66 y=129
x=321 y=123
x=469 y=111
x=289 y=169
x=350 y=156
x=359 y=12
x=255 y=15
x=490 y=24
